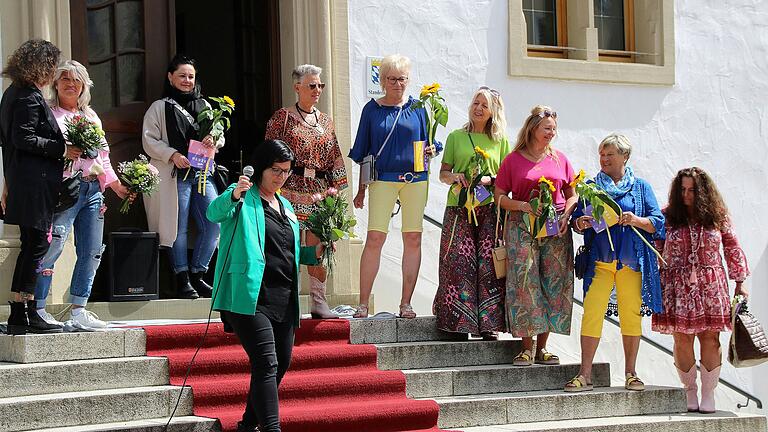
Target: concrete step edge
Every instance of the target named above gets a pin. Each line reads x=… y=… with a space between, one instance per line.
x=183 y=423
x=88 y=394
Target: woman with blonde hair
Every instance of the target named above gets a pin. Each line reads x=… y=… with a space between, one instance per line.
x=469 y=298
x=539 y=273
x=389 y=127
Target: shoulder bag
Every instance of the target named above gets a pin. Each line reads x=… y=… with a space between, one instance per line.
x=368 y=165
x=500 y=247
x=748 y=345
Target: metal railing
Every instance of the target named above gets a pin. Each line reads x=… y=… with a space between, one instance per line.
x=654 y=344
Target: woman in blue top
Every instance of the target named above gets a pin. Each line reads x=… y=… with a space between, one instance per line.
x=629 y=264
x=388 y=129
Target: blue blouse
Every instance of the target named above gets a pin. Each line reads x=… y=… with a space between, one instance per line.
x=629 y=251
x=375 y=123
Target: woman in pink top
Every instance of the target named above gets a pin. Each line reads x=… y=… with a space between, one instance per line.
x=541 y=302
x=72 y=96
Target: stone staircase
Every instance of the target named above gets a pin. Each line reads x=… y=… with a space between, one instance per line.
x=103 y=382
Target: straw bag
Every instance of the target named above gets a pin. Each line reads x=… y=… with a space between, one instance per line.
x=748 y=346
x=500 y=250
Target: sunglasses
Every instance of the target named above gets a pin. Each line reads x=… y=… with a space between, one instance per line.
x=547 y=113
x=314 y=86
x=494 y=92
x=277 y=172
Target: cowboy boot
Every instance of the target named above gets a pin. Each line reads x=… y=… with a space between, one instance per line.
x=691 y=389
x=319 y=308
x=709 y=381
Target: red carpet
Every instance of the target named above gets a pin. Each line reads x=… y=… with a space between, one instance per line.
x=331 y=385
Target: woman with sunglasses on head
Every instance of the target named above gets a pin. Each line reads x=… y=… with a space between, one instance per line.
x=318 y=164
x=539 y=272
x=389 y=127
x=619 y=260
x=694 y=282
x=469 y=298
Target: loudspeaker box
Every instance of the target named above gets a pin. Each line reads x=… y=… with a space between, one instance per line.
x=133 y=265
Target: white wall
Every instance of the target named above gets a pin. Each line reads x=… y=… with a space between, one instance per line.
x=714 y=117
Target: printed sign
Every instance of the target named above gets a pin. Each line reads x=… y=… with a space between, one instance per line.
x=199 y=155
x=610 y=218
x=372 y=77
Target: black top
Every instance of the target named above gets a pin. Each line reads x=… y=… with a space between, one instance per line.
x=277 y=297
x=33 y=157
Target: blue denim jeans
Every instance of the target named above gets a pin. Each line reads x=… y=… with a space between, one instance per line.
x=192 y=203
x=88 y=223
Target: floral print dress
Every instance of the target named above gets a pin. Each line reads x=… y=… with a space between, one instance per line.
x=694 y=283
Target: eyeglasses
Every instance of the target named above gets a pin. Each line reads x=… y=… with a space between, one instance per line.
x=494 y=92
x=397 y=80
x=277 y=172
x=313 y=86
x=547 y=113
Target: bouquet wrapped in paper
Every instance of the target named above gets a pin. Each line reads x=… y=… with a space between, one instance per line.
x=331 y=222
x=139 y=176
x=85 y=135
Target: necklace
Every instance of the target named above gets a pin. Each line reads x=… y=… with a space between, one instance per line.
x=693 y=258
x=535 y=159
x=316 y=126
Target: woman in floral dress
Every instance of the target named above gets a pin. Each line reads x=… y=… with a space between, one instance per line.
x=318 y=164
x=694 y=282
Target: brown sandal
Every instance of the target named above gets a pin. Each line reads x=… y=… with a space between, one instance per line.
x=547 y=358
x=525 y=358
x=578 y=384
x=632 y=382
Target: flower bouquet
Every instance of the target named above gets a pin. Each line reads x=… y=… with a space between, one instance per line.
x=543 y=225
x=437 y=110
x=471 y=197
x=213 y=121
x=330 y=222
x=85 y=135
x=605 y=211
x=139 y=176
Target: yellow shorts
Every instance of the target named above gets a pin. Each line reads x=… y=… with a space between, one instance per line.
x=628 y=297
x=382 y=197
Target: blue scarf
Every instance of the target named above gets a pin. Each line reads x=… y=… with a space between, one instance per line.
x=616 y=190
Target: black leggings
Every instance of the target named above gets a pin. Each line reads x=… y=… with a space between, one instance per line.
x=269 y=345
x=34 y=246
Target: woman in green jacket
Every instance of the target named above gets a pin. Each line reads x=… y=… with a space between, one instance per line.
x=256 y=288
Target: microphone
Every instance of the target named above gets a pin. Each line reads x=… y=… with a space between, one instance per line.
x=248 y=172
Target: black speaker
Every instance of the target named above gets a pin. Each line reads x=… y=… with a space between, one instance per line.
x=133 y=264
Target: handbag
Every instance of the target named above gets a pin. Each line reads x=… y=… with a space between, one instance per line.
x=368 y=165
x=500 y=249
x=220 y=177
x=69 y=192
x=748 y=345
x=581 y=260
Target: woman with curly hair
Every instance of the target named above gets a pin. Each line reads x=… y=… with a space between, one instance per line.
x=694 y=282
x=33 y=162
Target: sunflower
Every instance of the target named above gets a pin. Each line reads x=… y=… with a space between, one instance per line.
x=549 y=183
x=429 y=89
x=579 y=178
x=229 y=101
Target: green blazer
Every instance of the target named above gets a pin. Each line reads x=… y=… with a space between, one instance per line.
x=238 y=281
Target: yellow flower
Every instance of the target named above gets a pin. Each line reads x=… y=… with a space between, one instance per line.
x=229 y=101
x=579 y=178
x=429 y=89
x=544 y=180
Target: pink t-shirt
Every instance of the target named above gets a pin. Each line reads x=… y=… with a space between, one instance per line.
x=87 y=166
x=520 y=176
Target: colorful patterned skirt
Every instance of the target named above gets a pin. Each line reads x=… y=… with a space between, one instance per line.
x=543 y=301
x=469 y=298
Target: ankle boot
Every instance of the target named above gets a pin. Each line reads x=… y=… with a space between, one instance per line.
x=202 y=288
x=184 y=289
x=319 y=306
x=17 y=320
x=709 y=381
x=691 y=389
x=36 y=323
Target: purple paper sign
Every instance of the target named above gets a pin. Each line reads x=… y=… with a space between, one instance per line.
x=481 y=193
x=551 y=227
x=199 y=155
x=598 y=226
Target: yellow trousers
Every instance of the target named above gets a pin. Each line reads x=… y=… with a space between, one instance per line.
x=628 y=287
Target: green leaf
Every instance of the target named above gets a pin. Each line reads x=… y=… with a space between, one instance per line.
x=462 y=197
x=338 y=234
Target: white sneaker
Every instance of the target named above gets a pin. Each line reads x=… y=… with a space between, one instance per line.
x=49 y=318
x=87 y=320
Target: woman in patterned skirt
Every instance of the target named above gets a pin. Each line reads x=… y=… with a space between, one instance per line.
x=538 y=300
x=318 y=164
x=469 y=298
x=694 y=282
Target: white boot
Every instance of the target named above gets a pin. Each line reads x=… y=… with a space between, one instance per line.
x=319 y=306
x=691 y=389
x=709 y=381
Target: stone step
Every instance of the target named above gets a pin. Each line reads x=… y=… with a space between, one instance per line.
x=178 y=424
x=553 y=405
x=377 y=331
x=421 y=355
x=81 y=375
x=476 y=380
x=721 y=421
x=72 y=346
x=91 y=407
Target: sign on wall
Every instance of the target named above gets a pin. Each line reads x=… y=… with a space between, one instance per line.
x=372 y=77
